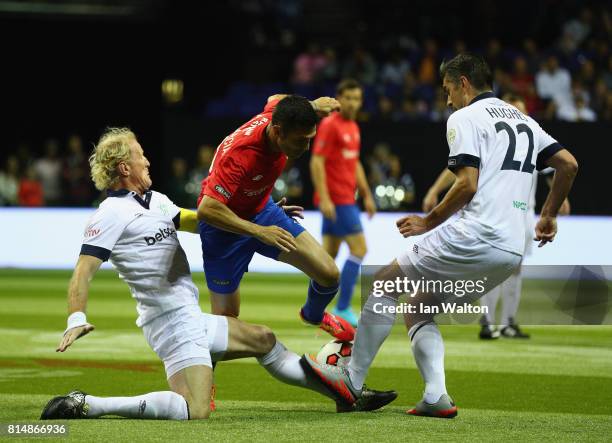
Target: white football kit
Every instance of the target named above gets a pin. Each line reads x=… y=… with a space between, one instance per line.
x=139 y=237
x=488 y=237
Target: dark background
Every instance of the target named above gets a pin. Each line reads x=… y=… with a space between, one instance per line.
x=67 y=71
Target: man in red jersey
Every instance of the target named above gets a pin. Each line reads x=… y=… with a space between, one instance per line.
x=336 y=173
x=238 y=217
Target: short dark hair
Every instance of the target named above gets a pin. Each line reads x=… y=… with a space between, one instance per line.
x=346 y=84
x=294 y=112
x=473 y=67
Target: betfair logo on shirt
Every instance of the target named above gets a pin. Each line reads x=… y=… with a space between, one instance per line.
x=162 y=234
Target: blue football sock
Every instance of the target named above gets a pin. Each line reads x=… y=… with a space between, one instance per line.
x=317 y=300
x=348 y=278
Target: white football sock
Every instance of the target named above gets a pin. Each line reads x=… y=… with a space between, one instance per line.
x=166 y=405
x=428 y=351
x=490 y=300
x=511 y=298
x=372 y=330
x=284 y=365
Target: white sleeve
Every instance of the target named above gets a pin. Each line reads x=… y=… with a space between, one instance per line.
x=546 y=146
x=101 y=235
x=166 y=206
x=463 y=142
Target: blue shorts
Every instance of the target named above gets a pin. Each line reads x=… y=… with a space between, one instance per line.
x=227 y=255
x=347 y=222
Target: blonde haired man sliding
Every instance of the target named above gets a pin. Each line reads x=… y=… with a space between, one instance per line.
x=135 y=228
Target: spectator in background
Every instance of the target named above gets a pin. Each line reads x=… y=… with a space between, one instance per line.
x=428 y=67
x=578 y=110
x=385 y=109
x=49 y=171
x=200 y=172
x=576 y=30
x=522 y=84
x=330 y=70
x=30 y=189
x=76 y=174
x=9 y=182
x=600 y=93
x=360 y=66
x=531 y=55
x=394 y=70
x=308 y=65
x=554 y=84
x=178 y=183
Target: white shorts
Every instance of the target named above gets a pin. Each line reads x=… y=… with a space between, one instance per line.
x=530 y=234
x=449 y=253
x=187 y=337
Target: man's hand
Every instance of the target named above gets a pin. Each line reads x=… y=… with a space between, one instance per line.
x=291 y=211
x=325 y=105
x=545 y=230
x=72 y=334
x=277 y=237
x=430 y=201
x=412 y=225
x=328 y=209
x=370 y=206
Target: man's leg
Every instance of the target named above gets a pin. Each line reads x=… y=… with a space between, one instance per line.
x=311 y=258
x=350 y=270
x=249 y=340
x=511 y=298
x=164 y=405
x=331 y=244
x=225 y=304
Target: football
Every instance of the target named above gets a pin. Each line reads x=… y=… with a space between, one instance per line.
x=336 y=352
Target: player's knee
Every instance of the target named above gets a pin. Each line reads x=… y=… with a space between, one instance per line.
x=359 y=251
x=330 y=276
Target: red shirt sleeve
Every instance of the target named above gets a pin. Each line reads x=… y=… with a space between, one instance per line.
x=226 y=176
x=325 y=139
x=271 y=105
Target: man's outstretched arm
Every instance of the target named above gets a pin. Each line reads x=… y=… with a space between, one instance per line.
x=459 y=195
x=566 y=168
x=78 y=291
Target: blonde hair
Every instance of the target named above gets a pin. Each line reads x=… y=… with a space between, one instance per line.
x=112 y=149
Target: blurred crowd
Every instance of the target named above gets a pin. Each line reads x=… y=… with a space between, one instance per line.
x=59 y=176
x=392 y=187
x=568 y=79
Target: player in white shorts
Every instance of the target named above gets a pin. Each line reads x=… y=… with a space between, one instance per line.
x=136 y=229
x=494 y=151
x=509 y=289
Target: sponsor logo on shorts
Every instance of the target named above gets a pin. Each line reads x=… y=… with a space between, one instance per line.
x=452 y=161
x=160 y=235
x=142 y=407
x=221 y=282
x=221 y=190
x=415 y=249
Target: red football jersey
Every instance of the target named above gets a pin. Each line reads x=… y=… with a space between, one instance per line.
x=339 y=141
x=244 y=169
